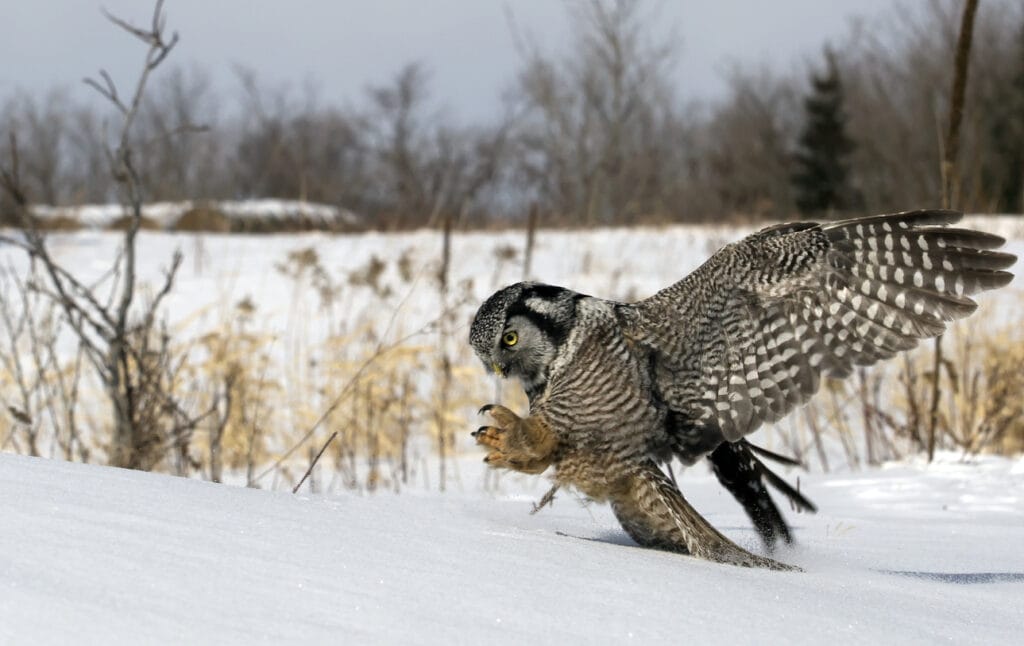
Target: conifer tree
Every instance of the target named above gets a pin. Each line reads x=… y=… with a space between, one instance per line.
x=1003 y=176
x=821 y=180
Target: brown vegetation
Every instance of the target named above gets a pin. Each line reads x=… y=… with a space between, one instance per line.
x=203 y=218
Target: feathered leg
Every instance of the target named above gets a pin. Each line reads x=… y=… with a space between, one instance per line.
x=744 y=475
x=523 y=444
x=654 y=514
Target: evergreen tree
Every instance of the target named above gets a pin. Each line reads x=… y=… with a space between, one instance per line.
x=821 y=177
x=1003 y=176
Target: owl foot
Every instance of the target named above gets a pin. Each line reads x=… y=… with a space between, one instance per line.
x=520 y=444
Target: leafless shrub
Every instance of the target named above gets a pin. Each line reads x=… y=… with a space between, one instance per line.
x=598 y=135
x=745 y=160
x=39 y=389
x=127 y=348
x=980 y=407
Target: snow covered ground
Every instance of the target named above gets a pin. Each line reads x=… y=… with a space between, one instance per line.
x=907 y=553
x=904 y=554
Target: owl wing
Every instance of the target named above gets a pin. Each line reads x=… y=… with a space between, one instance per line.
x=747 y=336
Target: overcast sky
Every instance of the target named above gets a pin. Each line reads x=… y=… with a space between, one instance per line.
x=343 y=46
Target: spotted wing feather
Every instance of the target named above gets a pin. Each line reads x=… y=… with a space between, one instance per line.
x=747 y=336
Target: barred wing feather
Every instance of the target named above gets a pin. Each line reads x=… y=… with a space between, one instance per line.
x=747 y=336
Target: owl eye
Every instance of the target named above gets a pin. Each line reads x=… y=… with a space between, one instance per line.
x=510 y=338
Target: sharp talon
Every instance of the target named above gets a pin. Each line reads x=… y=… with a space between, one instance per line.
x=484 y=409
x=480 y=431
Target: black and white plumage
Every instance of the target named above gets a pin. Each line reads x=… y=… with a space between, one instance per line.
x=616 y=388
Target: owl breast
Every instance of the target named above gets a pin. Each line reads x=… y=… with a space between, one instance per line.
x=600 y=394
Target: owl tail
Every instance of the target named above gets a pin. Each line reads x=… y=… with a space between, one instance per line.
x=654 y=514
x=744 y=476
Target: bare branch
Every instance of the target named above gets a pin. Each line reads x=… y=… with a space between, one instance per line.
x=168 y=280
x=183 y=129
x=148 y=37
x=108 y=92
x=315 y=460
x=163 y=51
x=948 y=175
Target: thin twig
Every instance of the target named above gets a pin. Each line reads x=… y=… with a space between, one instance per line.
x=315 y=460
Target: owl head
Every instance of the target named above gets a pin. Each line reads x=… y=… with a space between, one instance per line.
x=520 y=329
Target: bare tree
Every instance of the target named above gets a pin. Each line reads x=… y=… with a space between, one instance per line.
x=126 y=348
x=744 y=160
x=431 y=170
x=598 y=138
x=179 y=160
x=88 y=175
x=400 y=140
x=298 y=149
x=45 y=125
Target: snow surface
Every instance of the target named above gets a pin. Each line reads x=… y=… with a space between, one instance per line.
x=905 y=554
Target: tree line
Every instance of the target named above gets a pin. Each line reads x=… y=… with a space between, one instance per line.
x=602 y=135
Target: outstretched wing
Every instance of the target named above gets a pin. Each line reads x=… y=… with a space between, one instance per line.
x=746 y=337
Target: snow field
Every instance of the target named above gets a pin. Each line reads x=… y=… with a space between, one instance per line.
x=905 y=554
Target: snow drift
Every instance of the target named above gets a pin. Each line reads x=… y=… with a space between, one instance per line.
x=904 y=554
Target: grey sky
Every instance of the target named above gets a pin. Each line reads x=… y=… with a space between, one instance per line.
x=343 y=46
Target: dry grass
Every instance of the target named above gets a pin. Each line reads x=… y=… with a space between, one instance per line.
x=266 y=406
x=983 y=403
x=203 y=218
x=124 y=222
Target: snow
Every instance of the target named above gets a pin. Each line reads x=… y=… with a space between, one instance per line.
x=905 y=553
x=908 y=553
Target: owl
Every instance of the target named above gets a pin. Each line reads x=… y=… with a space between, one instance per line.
x=618 y=389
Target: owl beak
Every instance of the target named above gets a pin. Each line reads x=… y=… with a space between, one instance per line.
x=497 y=369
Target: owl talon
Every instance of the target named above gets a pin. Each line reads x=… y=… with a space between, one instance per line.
x=485 y=409
x=490 y=437
x=505 y=418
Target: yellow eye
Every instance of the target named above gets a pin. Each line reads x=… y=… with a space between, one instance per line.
x=510 y=338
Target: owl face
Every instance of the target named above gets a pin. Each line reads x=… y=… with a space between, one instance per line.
x=520 y=329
